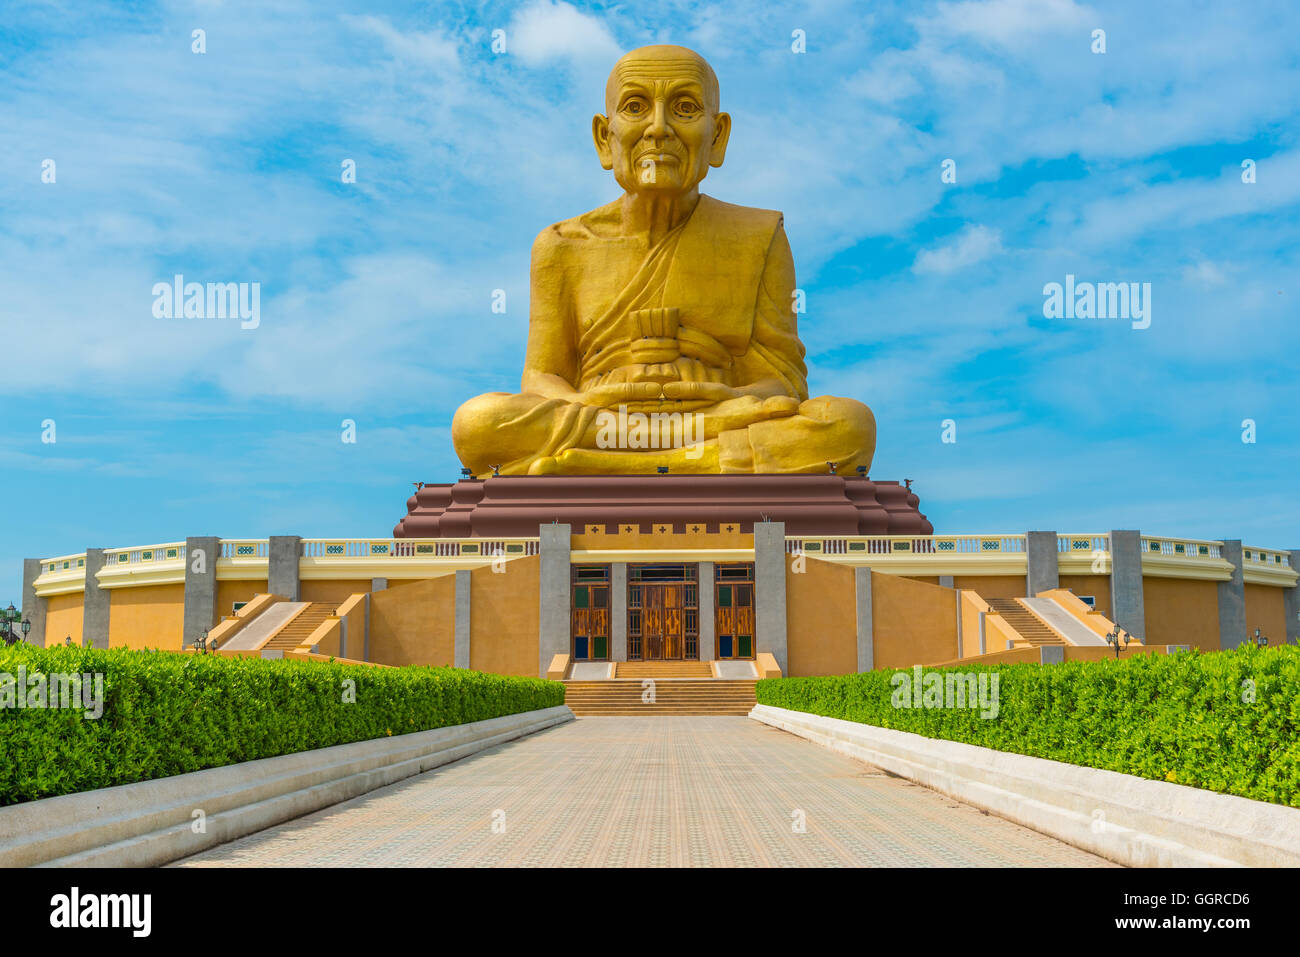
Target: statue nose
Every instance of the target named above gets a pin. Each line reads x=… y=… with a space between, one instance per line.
x=659 y=120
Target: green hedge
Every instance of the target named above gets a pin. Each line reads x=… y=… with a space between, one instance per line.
x=167 y=713
x=1180 y=718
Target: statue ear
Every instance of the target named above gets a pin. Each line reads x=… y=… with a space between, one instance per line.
x=600 y=133
x=721 y=134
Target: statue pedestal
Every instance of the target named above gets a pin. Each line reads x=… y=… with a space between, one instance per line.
x=514 y=506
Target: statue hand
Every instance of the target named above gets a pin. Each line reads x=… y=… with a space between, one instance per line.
x=700 y=391
x=745 y=410
x=611 y=395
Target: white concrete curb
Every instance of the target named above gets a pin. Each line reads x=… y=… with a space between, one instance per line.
x=1126 y=819
x=153 y=822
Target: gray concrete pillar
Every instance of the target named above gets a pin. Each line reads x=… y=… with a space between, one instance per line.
x=957 y=608
x=554 y=593
x=945 y=581
x=866 y=631
x=1049 y=654
x=33 y=605
x=1232 y=598
x=282 y=566
x=201 y=556
x=1044 y=570
x=95 y=610
x=708 y=615
x=1291 y=599
x=376 y=584
x=618 y=611
x=461 y=650
x=983 y=634
x=1127 y=605
x=769 y=592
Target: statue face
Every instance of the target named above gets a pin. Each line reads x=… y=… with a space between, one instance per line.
x=663 y=131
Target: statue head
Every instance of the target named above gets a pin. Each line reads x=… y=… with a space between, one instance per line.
x=662 y=129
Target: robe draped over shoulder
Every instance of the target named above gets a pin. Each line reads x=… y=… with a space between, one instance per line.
x=728 y=272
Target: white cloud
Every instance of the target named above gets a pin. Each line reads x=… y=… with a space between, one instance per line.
x=549 y=30
x=430 y=49
x=1205 y=272
x=973 y=244
x=1009 y=23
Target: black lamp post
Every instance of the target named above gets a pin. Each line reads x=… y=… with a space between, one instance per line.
x=1115 y=637
x=9 y=622
x=1261 y=640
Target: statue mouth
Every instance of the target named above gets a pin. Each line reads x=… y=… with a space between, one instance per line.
x=647 y=158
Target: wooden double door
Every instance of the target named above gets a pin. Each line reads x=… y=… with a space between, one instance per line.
x=663 y=623
x=663 y=613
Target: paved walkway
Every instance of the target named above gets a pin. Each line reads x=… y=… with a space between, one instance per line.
x=666 y=791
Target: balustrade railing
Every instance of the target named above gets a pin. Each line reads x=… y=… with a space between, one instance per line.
x=1084 y=544
x=1272 y=557
x=144 y=554
x=245 y=548
x=1180 y=547
x=907 y=546
x=63 y=563
x=353 y=548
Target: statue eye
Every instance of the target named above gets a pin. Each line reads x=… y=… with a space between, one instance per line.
x=635 y=106
x=687 y=107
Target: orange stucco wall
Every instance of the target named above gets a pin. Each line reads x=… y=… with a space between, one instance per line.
x=971 y=606
x=63 y=617
x=413 y=624
x=993 y=586
x=335 y=592
x=1096 y=585
x=354 y=620
x=230 y=592
x=912 y=623
x=821 y=619
x=1266 y=610
x=1181 y=611
x=148 y=616
x=503 y=618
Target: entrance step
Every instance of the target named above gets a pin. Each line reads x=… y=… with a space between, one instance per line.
x=663 y=669
x=624 y=696
x=1024 y=622
x=300 y=627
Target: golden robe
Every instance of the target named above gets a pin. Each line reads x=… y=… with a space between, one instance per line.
x=712 y=301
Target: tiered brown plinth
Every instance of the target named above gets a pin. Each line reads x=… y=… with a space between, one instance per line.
x=514 y=506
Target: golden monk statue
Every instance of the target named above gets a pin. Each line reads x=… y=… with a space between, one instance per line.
x=664 y=305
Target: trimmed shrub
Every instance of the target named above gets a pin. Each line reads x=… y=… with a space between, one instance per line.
x=1226 y=721
x=166 y=713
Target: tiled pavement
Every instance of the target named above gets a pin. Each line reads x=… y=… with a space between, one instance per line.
x=663 y=791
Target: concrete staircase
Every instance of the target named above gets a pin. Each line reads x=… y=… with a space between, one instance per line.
x=672 y=696
x=1028 y=625
x=663 y=669
x=300 y=627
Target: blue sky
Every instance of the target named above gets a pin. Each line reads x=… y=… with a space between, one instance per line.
x=925 y=299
